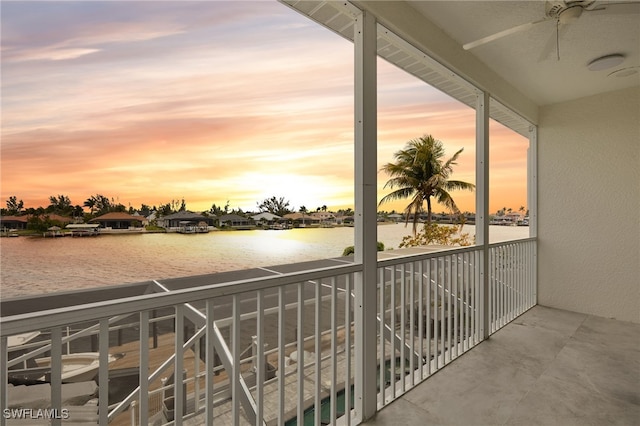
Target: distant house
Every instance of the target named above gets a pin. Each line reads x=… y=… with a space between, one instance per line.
x=303 y=219
x=265 y=217
x=143 y=219
x=56 y=217
x=21 y=222
x=345 y=220
x=234 y=221
x=118 y=220
x=176 y=220
x=323 y=216
x=396 y=217
x=13 y=222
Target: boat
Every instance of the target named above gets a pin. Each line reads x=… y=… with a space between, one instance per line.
x=77 y=367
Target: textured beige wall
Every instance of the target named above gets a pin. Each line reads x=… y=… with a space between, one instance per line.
x=589 y=205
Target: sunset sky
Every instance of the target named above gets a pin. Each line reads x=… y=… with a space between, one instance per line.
x=146 y=102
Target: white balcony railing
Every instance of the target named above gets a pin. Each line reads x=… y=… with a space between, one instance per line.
x=267 y=350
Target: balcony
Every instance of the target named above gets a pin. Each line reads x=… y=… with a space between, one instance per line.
x=266 y=350
x=298 y=338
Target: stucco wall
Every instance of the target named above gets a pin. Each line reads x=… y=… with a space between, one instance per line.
x=589 y=205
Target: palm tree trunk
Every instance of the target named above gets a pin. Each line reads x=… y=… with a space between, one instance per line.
x=429 y=210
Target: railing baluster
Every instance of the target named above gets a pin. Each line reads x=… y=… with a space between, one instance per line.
x=178 y=390
x=281 y=355
x=475 y=319
x=412 y=324
x=318 y=354
x=518 y=283
x=347 y=344
x=382 y=345
x=496 y=288
x=334 y=349
x=456 y=304
x=497 y=269
x=210 y=362
x=143 y=373
x=493 y=277
x=436 y=315
x=196 y=376
x=56 y=372
x=235 y=351
x=403 y=321
x=443 y=331
x=531 y=274
x=503 y=285
x=260 y=367
x=420 y=313
x=511 y=285
x=448 y=307
x=428 y=316
x=392 y=359
x=464 y=334
x=300 y=352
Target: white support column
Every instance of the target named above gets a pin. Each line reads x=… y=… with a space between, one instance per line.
x=532 y=175
x=532 y=200
x=366 y=211
x=482 y=206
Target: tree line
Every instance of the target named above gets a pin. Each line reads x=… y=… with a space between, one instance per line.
x=99 y=204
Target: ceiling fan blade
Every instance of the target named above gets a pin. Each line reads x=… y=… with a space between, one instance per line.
x=616 y=8
x=504 y=33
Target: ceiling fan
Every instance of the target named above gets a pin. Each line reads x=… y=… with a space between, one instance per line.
x=564 y=13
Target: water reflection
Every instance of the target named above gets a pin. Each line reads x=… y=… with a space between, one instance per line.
x=37 y=265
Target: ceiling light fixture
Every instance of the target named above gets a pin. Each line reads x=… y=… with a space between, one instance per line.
x=606 y=62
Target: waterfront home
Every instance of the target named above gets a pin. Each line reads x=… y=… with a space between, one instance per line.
x=21 y=222
x=63 y=220
x=13 y=222
x=395 y=217
x=345 y=220
x=542 y=330
x=118 y=221
x=234 y=221
x=301 y=219
x=176 y=220
x=324 y=218
x=265 y=217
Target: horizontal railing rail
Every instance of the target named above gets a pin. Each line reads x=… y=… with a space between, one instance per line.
x=24 y=323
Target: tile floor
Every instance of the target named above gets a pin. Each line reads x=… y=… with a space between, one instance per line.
x=548 y=367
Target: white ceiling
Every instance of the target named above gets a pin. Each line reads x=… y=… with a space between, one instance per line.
x=519 y=58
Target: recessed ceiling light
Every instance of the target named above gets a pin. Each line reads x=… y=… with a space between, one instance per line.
x=606 y=62
x=625 y=72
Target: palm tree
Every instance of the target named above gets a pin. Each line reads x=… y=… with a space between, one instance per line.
x=420 y=173
x=91 y=203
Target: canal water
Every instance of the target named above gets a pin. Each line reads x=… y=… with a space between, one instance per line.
x=30 y=266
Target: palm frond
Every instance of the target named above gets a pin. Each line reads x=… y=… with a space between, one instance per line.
x=420 y=172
